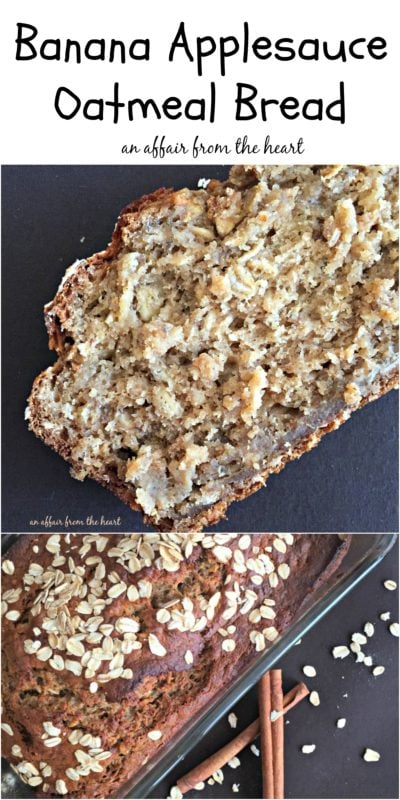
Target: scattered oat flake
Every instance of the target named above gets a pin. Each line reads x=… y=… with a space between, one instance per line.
x=155 y=646
x=340 y=651
x=233 y=720
x=367 y=660
x=309 y=671
x=218 y=776
x=314 y=699
x=254 y=749
x=72 y=774
x=235 y=787
x=274 y=715
x=359 y=638
x=385 y=616
x=199 y=786
x=51 y=729
x=234 y=762
x=132 y=593
x=341 y=723
x=284 y=571
x=394 y=629
x=175 y=793
x=154 y=735
x=44 y=654
x=378 y=671
x=228 y=645
x=390 y=585
x=369 y=629
x=371 y=755
x=308 y=748
x=7 y=728
x=13 y=616
x=53 y=741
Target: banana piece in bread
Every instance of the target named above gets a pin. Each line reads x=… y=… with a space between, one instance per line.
x=222 y=333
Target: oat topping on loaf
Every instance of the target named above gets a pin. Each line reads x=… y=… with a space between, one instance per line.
x=221 y=334
x=94 y=681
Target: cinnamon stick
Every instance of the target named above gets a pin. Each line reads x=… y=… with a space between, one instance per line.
x=203 y=771
x=266 y=743
x=277 y=733
x=294 y=696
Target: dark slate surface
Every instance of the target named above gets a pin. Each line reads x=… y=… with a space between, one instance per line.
x=336 y=768
x=348 y=483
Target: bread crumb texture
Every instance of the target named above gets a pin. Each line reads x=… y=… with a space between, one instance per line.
x=220 y=329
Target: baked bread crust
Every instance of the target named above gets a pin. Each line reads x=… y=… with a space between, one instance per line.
x=162 y=692
x=244 y=481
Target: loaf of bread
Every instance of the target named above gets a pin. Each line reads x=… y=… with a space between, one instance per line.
x=111 y=644
x=221 y=334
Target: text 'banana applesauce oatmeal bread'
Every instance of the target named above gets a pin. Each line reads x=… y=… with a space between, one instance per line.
x=221 y=334
x=112 y=643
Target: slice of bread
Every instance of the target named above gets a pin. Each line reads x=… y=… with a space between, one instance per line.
x=221 y=334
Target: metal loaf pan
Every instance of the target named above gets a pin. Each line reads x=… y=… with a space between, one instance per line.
x=365 y=552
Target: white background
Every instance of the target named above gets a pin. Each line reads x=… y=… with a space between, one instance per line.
x=33 y=133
